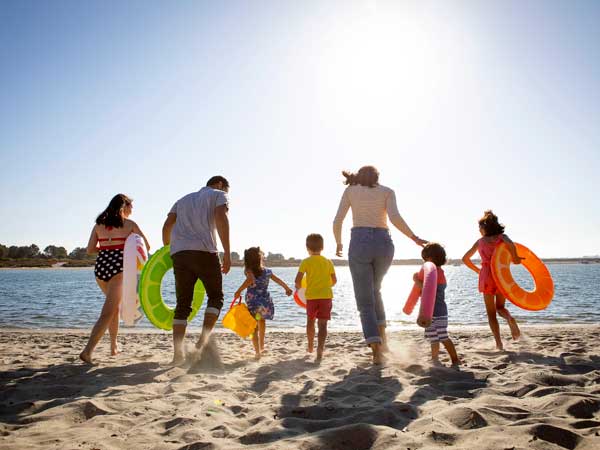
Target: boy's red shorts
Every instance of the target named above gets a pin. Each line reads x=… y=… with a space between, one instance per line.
x=319 y=308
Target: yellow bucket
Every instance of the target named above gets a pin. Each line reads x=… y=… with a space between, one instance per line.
x=239 y=320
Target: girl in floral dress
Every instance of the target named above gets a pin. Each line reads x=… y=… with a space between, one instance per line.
x=259 y=301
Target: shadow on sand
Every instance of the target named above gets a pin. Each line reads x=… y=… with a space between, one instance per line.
x=25 y=391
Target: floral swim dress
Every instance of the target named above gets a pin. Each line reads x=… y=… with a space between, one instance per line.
x=259 y=299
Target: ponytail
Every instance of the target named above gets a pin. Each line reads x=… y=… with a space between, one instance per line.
x=490 y=224
x=366 y=176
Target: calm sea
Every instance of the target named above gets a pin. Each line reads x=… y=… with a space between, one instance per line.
x=70 y=298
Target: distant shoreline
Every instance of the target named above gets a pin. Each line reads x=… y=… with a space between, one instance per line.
x=86 y=264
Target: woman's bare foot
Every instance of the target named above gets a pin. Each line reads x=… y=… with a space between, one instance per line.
x=257 y=356
x=514 y=329
x=378 y=358
x=86 y=357
x=114 y=350
x=310 y=348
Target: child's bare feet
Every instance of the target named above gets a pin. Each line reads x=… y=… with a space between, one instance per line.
x=319 y=357
x=86 y=357
x=514 y=329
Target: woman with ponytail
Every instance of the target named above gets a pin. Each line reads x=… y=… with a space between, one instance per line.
x=108 y=240
x=371 y=248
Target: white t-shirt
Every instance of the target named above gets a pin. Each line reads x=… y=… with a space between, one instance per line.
x=195 y=227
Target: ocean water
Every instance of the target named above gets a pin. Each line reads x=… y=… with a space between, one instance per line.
x=70 y=298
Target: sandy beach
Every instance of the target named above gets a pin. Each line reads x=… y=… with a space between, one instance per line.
x=542 y=392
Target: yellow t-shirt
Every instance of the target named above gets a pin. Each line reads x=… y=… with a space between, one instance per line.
x=318 y=270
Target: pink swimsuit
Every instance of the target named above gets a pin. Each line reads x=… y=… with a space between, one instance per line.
x=487 y=285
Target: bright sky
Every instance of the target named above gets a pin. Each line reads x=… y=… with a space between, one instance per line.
x=462 y=106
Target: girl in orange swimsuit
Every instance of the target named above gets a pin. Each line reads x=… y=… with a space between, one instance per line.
x=492 y=233
x=108 y=240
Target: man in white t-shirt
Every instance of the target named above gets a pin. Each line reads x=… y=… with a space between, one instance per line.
x=190 y=228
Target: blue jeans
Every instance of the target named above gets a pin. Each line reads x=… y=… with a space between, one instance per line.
x=370 y=256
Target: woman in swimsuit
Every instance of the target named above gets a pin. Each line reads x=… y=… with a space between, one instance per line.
x=108 y=240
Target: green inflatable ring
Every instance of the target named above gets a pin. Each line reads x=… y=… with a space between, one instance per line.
x=151 y=299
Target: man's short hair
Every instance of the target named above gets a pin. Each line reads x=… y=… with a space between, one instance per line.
x=218 y=179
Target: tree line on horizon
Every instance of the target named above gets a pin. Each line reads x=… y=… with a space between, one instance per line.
x=79 y=253
x=50 y=252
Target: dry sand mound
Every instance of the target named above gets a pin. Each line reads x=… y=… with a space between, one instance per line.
x=541 y=393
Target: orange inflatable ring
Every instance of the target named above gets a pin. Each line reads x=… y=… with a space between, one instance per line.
x=300 y=294
x=543 y=292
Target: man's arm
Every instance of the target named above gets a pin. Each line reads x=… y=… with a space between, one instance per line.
x=167 y=227
x=222 y=224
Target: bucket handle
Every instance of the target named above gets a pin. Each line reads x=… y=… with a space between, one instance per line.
x=233 y=302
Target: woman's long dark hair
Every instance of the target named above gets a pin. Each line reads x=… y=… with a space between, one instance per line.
x=366 y=176
x=111 y=216
x=490 y=225
x=253 y=261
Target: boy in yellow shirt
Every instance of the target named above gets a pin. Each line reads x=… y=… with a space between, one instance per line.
x=320 y=277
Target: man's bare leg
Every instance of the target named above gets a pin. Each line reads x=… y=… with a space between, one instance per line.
x=178 y=337
x=209 y=323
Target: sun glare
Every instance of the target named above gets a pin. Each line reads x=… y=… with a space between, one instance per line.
x=383 y=70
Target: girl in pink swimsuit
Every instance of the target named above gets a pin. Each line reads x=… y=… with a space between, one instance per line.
x=492 y=233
